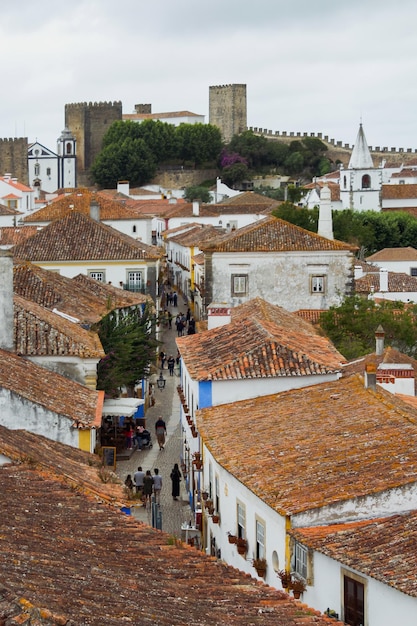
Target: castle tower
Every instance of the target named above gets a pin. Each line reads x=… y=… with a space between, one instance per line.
x=228 y=110
x=14 y=158
x=88 y=123
x=67 y=175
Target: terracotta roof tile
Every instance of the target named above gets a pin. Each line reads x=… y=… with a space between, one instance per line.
x=81 y=297
x=394 y=254
x=64 y=549
x=12 y=235
x=50 y=390
x=399 y=192
x=398 y=282
x=39 y=332
x=384 y=549
x=320 y=445
x=273 y=234
x=78 y=237
x=261 y=341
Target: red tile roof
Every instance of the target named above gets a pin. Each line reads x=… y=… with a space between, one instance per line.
x=261 y=341
x=12 y=235
x=66 y=551
x=50 y=390
x=80 y=297
x=273 y=235
x=384 y=548
x=324 y=444
x=398 y=282
x=399 y=192
x=394 y=254
x=77 y=237
x=38 y=332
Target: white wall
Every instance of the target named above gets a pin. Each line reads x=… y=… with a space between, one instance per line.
x=16 y=413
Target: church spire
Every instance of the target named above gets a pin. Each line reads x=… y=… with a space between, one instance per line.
x=361 y=157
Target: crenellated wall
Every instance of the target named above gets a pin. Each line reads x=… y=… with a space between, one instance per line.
x=14 y=158
x=89 y=122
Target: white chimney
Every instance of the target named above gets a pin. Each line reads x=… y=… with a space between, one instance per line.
x=379 y=340
x=218 y=315
x=383 y=280
x=95 y=210
x=325 y=226
x=358 y=272
x=123 y=187
x=6 y=300
x=196 y=207
x=370 y=376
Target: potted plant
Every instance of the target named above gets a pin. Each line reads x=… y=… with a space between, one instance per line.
x=298 y=586
x=204 y=495
x=215 y=517
x=232 y=538
x=285 y=577
x=242 y=545
x=260 y=566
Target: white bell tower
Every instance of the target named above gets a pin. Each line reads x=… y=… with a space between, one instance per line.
x=67 y=160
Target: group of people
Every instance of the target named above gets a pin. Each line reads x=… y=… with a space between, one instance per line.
x=147 y=484
x=171 y=361
x=185 y=322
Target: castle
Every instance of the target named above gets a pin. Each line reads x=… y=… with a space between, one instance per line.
x=87 y=124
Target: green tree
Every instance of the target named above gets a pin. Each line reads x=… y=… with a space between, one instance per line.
x=305 y=218
x=130 y=160
x=129 y=343
x=235 y=174
x=197 y=192
x=198 y=143
x=352 y=325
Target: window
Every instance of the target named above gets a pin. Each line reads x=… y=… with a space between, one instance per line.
x=241 y=521
x=37 y=169
x=68 y=148
x=300 y=565
x=317 y=284
x=239 y=284
x=134 y=281
x=48 y=171
x=217 y=495
x=354 y=601
x=97 y=276
x=260 y=540
x=366 y=181
x=413 y=271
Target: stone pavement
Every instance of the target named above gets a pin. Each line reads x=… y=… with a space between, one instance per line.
x=174 y=513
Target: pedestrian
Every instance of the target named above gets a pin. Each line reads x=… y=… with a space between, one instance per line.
x=171 y=365
x=138 y=477
x=129 y=484
x=174 y=298
x=191 y=326
x=162 y=359
x=147 y=487
x=170 y=316
x=160 y=431
x=179 y=325
x=128 y=433
x=157 y=485
x=176 y=479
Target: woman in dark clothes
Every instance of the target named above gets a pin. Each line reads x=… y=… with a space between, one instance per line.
x=175 y=478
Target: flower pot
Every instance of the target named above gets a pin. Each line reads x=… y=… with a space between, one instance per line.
x=198 y=465
x=204 y=495
x=261 y=571
x=215 y=519
x=232 y=538
x=242 y=546
x=296 y=594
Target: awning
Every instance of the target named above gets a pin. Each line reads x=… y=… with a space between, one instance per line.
x=122 y=406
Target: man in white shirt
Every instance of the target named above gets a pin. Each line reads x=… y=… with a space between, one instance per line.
x=157 y=485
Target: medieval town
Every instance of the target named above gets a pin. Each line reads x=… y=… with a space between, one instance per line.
x=182 y=438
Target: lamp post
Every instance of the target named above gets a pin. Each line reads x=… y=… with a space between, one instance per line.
x=161 y=382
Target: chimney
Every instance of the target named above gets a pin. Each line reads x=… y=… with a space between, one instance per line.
x=383 y=280
x=95 y=210
x=379 y=340
x=123 y=187
x=358 y=272
x=218 y=315
x=196 y=207
x=6 y=300
x=370 y=376
x=325 y=226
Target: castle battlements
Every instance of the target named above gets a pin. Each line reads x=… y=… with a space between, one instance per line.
x=277 y=134
x=92 y=105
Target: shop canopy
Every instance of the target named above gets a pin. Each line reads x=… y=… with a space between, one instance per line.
x=121 y=406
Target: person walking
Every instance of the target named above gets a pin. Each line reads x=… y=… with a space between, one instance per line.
x=138 y=477
x=171 y=365
x=160 y=431
x=176 y=479
x=157 y=485
x=147 y=487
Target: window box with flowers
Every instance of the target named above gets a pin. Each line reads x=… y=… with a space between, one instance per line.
x=242 y=545
x=260 y=566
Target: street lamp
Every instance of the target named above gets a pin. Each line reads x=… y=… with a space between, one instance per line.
x=161 y=382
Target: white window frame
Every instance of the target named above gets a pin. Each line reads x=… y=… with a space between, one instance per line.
x=241 y=520
x=240 y=284
x=99 y=275
x=134 y=282
x=260 y=539
x=318 y=284
x=301 y=560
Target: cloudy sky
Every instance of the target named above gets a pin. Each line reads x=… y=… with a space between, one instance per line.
x=309 y=66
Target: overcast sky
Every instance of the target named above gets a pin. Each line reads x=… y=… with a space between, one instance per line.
x=309 y=66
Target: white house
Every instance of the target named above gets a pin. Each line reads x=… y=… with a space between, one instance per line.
x=15 y=195
x=49 y=171
x=283 y=470
x=144 y=112
x=279 y=262
x=402 y=260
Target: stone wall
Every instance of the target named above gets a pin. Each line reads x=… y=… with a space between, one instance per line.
x=181 y=178
x=89 y=122
x=228 y=109
x=14 y=158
